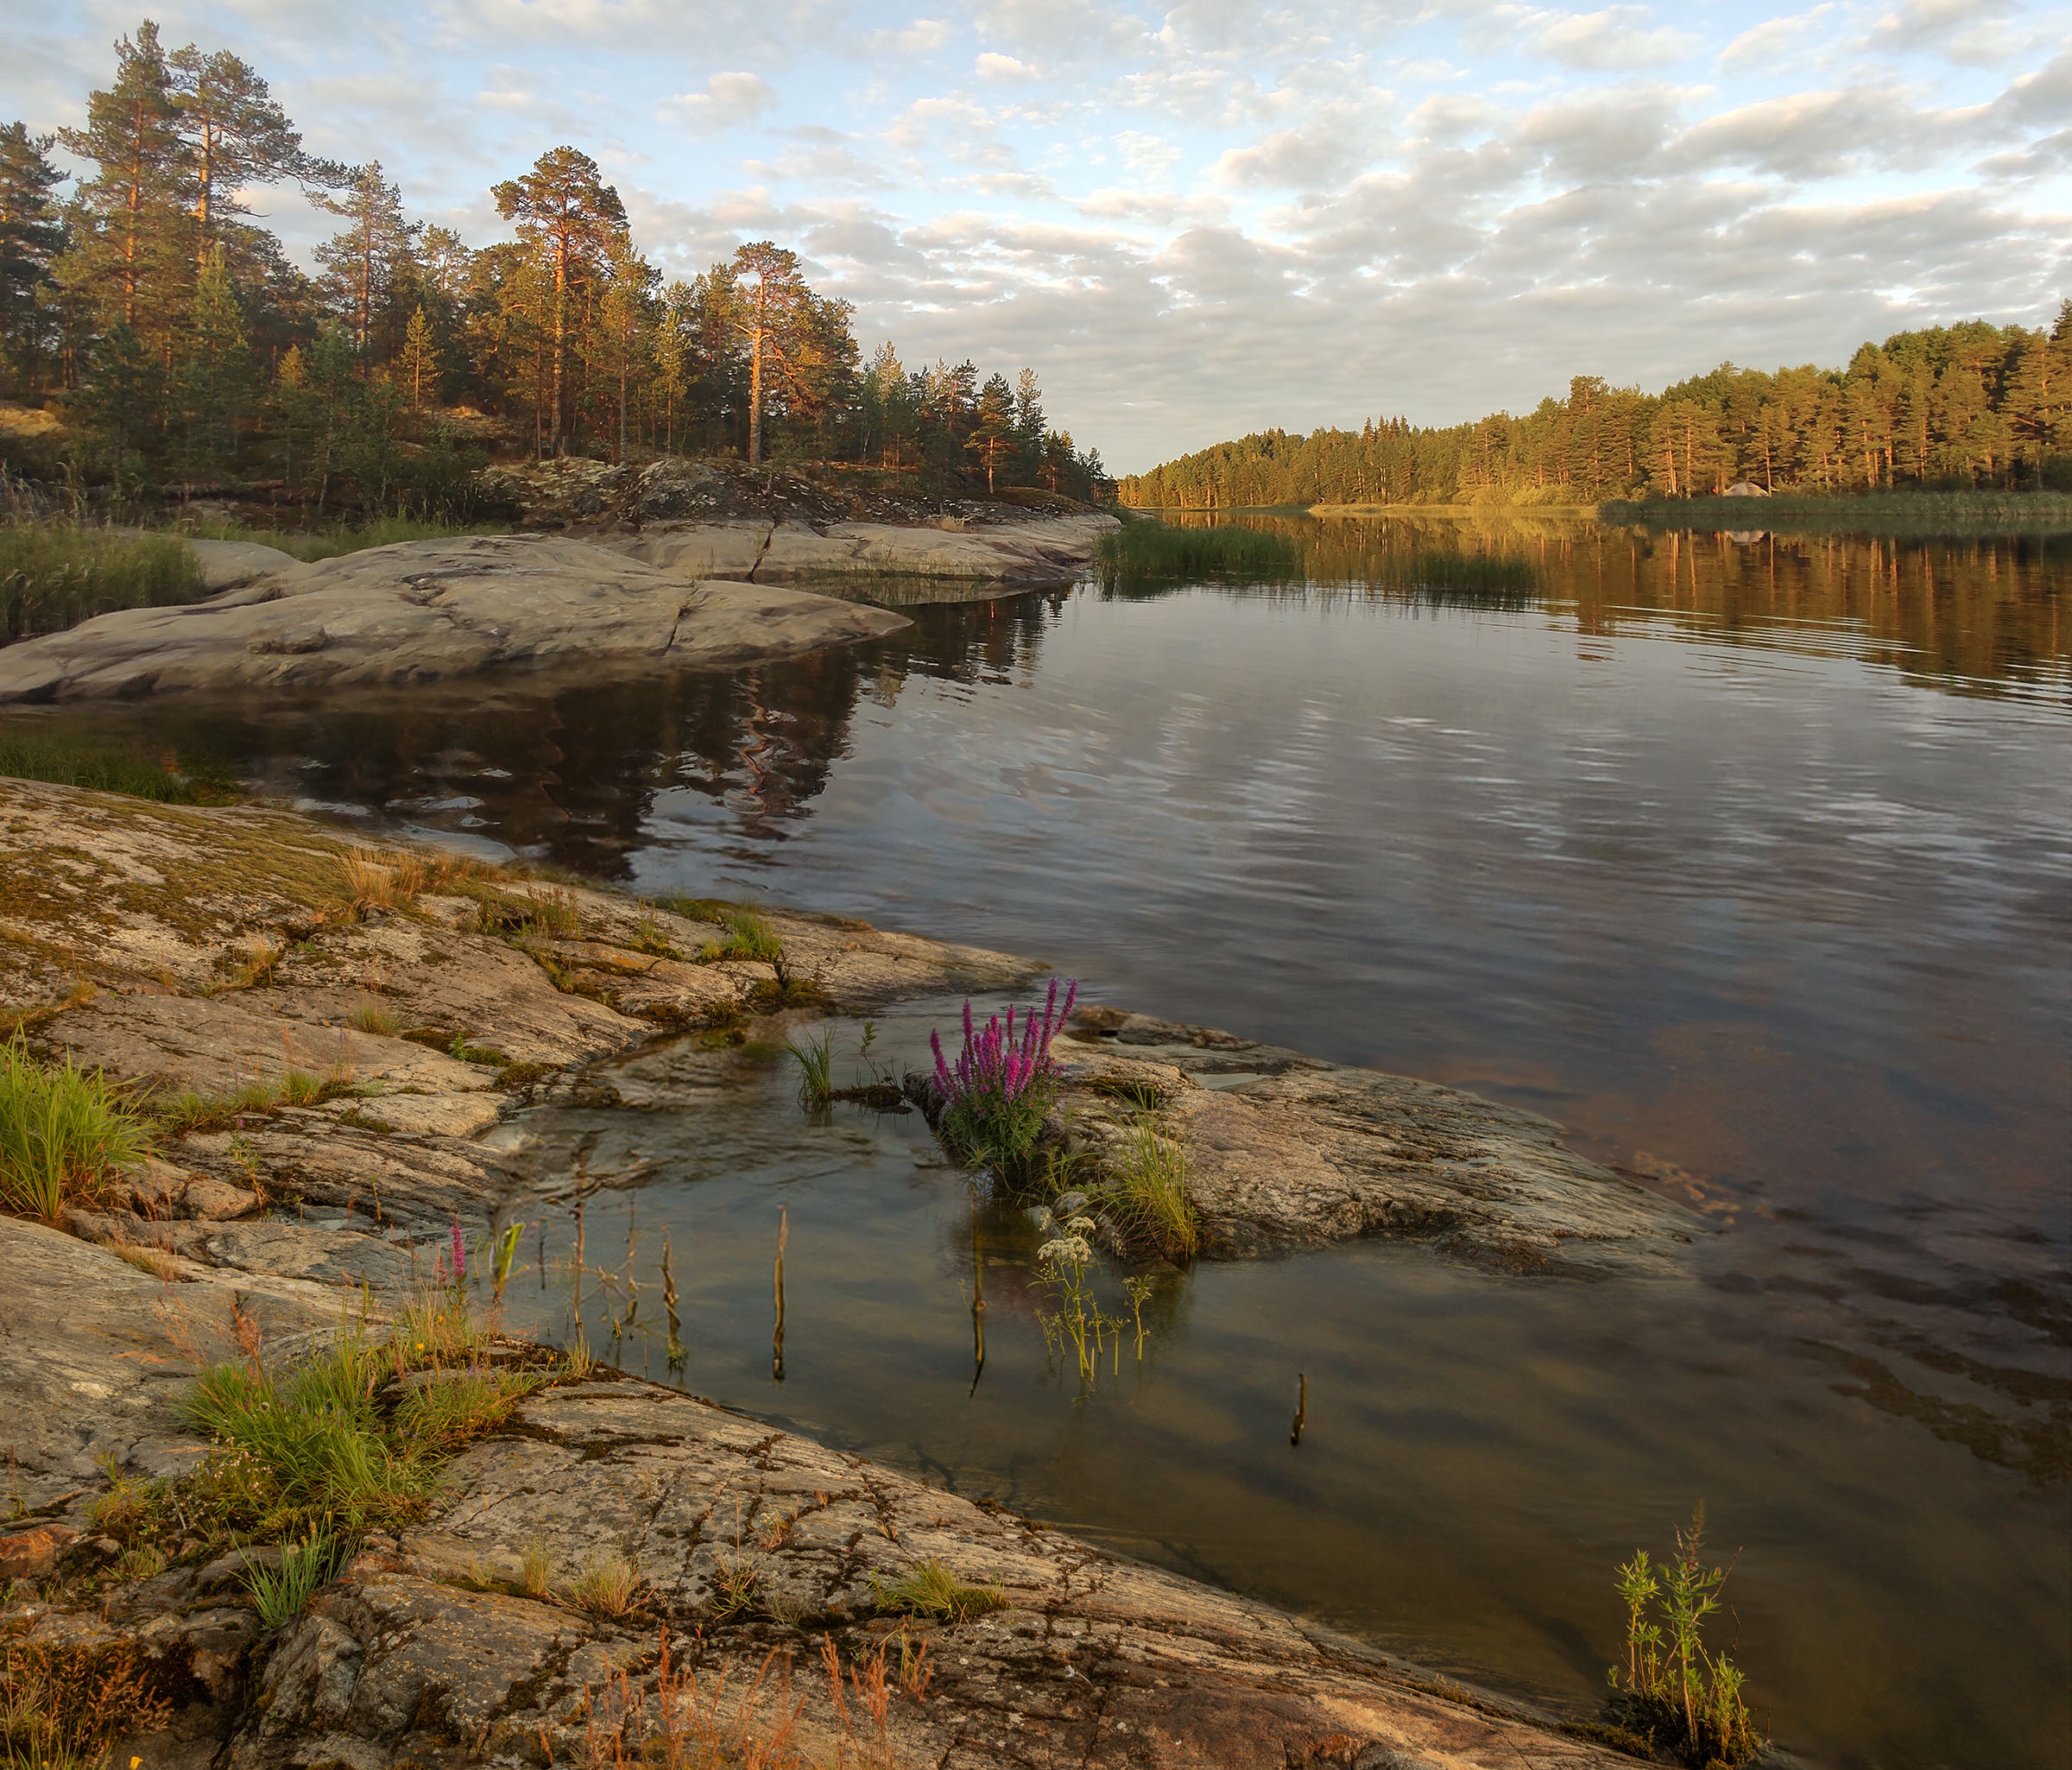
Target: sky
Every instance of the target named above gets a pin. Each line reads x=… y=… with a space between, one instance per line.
x=1201 y=220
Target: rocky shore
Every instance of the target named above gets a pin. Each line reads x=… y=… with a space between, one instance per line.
x=376 y=1017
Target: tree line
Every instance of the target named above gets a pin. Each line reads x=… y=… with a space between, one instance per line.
x=1968 y=405
x=181 y=344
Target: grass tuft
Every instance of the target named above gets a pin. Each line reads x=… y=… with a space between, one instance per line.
x=608 y=1586
x=815 y=1058
x=64 y=1136
x=371 y=1014
x=748 y=936
x=929 y=1589
x=282 y=1593
x=1147 y=1190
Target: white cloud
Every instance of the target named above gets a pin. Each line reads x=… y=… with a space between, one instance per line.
x=989 y=66
x=728 y=101
x=1615 y=37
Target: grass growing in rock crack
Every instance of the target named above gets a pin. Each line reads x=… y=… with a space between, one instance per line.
x=929 y=1589
x=282 y=1593
x=609 y=1586
x=1673 y=1692
x=748 y=936
x=190 y=1110
x=371 y=1014
x=351 y=1438
x=64 y=1133
x=1147 y=1190
x=62 y=1705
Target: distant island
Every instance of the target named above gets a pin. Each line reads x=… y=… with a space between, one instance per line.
x=1965 y=408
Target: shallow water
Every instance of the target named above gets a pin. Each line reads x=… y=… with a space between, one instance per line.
x=1749 y=860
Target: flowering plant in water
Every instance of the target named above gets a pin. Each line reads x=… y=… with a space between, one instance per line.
x=996 y=1093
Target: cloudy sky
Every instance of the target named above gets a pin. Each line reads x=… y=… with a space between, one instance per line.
x=1200 y=220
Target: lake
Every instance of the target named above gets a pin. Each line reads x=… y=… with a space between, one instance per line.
x=1748 y=858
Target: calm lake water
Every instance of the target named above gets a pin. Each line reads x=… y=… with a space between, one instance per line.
x=1748 y=859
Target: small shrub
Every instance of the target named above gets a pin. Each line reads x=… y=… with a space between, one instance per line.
x=1148 y=1190
x=815 y=1058
x=63 y=1134
x=1672 y=1692
x=929 y=1589
x=748 y=936
x=995 y=1097
x=282 y=1593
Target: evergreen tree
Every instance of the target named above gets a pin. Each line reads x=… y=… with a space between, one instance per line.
x=30 y=236
x=235 y=137
x=362 y=263
x=573 y=221
x=213 y=382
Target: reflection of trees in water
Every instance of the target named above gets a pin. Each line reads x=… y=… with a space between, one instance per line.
x=1967 y=613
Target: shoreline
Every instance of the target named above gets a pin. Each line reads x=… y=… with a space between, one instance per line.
x=217 y=947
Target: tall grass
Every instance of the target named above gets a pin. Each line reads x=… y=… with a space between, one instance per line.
x=748 y=936
x=55 y=574
x=309 y=545
x=64 y=1136
x=1897 y=513
x=814 y=1058
x=1150 y=549
x=107 y=768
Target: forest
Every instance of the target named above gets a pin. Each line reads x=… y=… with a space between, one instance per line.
x=154 y=335
x=1950 y=406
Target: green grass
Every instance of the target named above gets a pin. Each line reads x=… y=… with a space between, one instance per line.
x=815 y=1059
x=1147 y=1192
x=55 y=574
x=929 y=1589
x=282 y=1593
x=107 y=768
x=348 y=1438
x=1923 y=513
x=1155 y=550
x=334 y=543
x=748 y=936
x=63 y=1135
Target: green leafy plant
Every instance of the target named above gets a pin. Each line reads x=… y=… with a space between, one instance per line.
x=63 y=1135
x=1672 y=1692
x=929 y=1589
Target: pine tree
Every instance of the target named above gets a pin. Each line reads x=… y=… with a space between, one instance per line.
x=771 y=296
x=212 y=383
x=235 y=135
x=363 y=262
x=128 y=258
x=992 y=438
x=29 y=238
x=419 y=361
x=569 y=216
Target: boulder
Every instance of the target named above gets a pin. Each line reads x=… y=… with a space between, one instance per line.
x=427 y=611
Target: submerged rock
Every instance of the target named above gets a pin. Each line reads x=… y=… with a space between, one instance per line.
x=426 y=611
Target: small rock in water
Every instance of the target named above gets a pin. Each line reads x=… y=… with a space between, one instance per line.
x=1069 y=1204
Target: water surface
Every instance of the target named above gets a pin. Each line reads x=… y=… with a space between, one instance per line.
x=1746 y=858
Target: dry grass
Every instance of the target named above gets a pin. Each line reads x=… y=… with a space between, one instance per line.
x=536 y=1574
x=608 y=1586
x=61 y=1706
x=371 y=1014
x=144 y=1257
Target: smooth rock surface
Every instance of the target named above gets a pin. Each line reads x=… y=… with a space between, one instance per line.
x=1287 y=1151
x=423 y=611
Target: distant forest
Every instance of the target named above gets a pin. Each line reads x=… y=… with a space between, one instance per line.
x=1953 y=406
x=172 y=338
